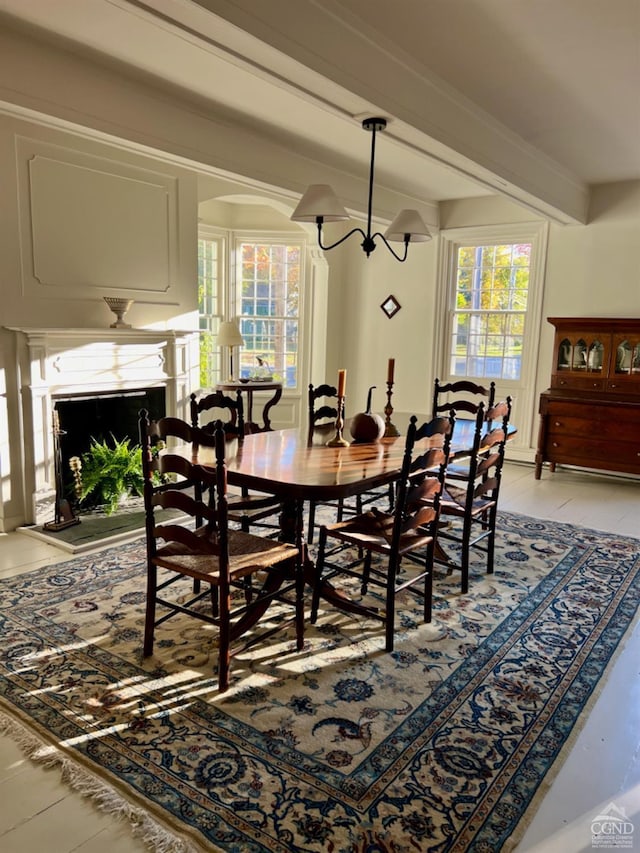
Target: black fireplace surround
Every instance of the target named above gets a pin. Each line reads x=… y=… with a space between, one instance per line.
x=82 y=418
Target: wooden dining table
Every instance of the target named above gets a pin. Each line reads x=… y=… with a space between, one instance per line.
x=287 y=464
x=284 y=463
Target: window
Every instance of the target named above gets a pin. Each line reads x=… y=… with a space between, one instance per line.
x=210 y=259
x=491 y=298
x=268 y=289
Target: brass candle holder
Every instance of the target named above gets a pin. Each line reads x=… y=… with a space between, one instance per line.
x=390 y=429
x=338 y=440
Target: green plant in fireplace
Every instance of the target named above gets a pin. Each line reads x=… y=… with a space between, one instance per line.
x=110 y=472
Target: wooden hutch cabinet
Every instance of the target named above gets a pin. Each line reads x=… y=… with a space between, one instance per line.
x=590 y=416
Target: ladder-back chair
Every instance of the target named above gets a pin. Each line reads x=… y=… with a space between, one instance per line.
x=463 y=397
x=470 y=502
x=248 y=509
x=322 y=412
x=346 y=549
x=199 y=546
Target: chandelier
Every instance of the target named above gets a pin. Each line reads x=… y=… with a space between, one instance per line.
x=320 y=204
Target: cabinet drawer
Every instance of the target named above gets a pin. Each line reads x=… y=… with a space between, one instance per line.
x=577 y=383
x=568 y=426
x=595 y=412
x=593 y=453
x=623 y=385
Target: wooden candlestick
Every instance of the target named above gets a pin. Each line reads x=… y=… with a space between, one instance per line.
x=390 y=429
x=342 y=382
x=391 y=370
x=338 y=440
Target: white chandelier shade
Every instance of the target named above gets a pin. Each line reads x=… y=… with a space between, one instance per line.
x=408 y=222
x=319 y=200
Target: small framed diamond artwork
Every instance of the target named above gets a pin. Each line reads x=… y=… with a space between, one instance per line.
x=390 y=306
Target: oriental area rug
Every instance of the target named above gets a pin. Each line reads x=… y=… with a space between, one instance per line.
x=438 y=746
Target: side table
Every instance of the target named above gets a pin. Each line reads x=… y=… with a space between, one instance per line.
x=248 y=388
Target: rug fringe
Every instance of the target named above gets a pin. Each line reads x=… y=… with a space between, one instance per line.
x=156 y=836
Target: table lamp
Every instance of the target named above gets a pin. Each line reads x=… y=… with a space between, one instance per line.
x=229 y=336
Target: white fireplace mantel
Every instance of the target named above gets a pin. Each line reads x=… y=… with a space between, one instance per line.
x=54 y=363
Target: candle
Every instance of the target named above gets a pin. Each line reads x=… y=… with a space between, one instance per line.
x=342 y=381
x=390 y=370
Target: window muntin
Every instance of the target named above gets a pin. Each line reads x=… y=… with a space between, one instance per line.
x=490 y=305
x=269 y=308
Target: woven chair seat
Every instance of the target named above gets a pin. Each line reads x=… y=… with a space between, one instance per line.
x=247 y=554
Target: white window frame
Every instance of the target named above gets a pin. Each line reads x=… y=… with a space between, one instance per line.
x=313 y=316
x=208 y=232
x=522 y=390
x=274 y=239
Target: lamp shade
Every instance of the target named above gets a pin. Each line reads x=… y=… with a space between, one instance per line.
x=319 y=201
x=408 y=222
x=229 y=334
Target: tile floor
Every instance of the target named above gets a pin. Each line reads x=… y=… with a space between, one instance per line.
x=38 y=812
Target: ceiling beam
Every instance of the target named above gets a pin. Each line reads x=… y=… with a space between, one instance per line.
x=430 y=114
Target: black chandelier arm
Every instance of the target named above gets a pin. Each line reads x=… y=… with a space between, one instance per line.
x=407 y=237
x=368 y=243
x=341 y=240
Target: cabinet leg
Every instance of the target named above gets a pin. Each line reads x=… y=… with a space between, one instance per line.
x=541 y=441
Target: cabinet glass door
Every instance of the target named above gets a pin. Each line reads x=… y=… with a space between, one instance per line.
x=627 y=356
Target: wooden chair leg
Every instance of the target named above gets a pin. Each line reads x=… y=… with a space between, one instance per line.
x=390 y=618
x=150 y=615
x=428 y=581
x=224 y=655
x=248 y=589
x=464 y=557
x=312 y=521
x=392 y=497
x=491 y=540
x=315 y=598
x=299 y=568
x=366 y=572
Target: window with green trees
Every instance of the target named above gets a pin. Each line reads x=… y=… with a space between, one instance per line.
x=490 y=305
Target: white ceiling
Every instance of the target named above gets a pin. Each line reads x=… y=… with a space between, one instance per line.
x=562 y=74
x=534 y=99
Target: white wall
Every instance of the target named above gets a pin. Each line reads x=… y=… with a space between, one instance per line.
x=593 y=270
x=61 y=252
x=369 y=338
x=80 y=220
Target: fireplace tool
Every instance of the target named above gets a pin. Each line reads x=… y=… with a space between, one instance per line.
x=65 y=516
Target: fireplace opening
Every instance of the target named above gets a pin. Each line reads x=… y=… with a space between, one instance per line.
x=100 y=416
